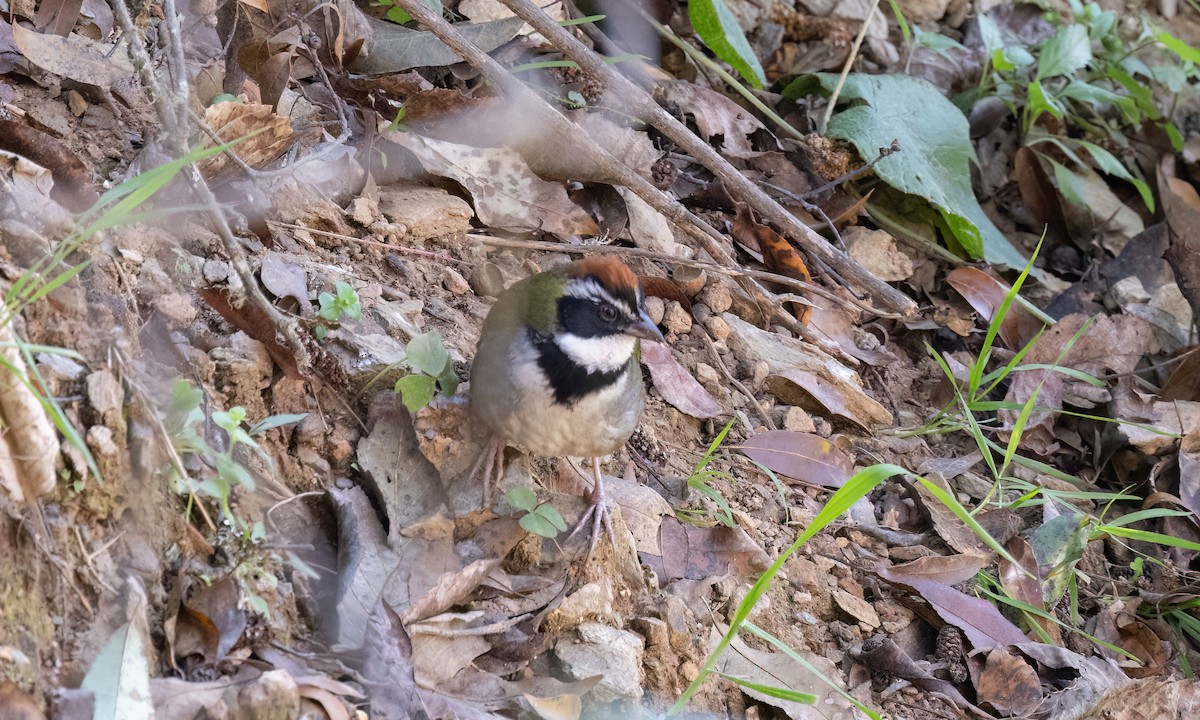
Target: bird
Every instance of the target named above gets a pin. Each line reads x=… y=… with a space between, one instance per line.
x=557 y=370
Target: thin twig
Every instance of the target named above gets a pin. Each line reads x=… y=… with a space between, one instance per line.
x=684 y=262
x=837 y=89
x=372 y=243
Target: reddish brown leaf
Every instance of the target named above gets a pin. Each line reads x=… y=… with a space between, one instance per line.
x=946 y=569
x=1039 y=193
x=979 y=620
x=676 y=384
x=1023 y=582
x=73 y=187
x=778 y=254
x=802 y=456
x=666 y=289
x=985 y=294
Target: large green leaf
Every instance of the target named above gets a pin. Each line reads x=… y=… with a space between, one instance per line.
x=1065 y=52
x=719 y=30
x=934 y=158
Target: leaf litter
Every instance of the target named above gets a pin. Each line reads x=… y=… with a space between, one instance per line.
x=314 y=546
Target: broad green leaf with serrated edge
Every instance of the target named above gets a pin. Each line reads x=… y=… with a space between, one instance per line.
x=719 y=30
x=934 y=158
x=1065 y=52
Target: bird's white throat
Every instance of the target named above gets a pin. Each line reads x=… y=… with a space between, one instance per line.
x=598 y=354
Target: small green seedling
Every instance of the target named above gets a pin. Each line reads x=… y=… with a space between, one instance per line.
x=541 y=519
x=432 y=370
x=698 y=481
x=342 y=304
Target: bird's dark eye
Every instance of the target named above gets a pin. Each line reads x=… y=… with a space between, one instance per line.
x=608 y=313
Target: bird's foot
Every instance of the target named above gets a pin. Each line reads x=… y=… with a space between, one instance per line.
x=597 y=515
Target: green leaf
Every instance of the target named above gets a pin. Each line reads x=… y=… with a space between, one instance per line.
x=904 y=30
x=538 y=524
x=415 y=390
x=448 y=380
x=934 y=158
x=426 y=353
x=1108 y=163
x=1179 y=47
x=1064 y=53
x=719 y=30
x=551 y=515
x=275 y=421
x=522 y=498
x=772 y=691
x=1040 y=102
x=936 y=42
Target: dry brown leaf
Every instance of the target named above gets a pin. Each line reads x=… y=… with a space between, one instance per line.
x=232 y=121
x=801 y=456
x=506 y=192
x=1023 y=582
x=817 y=394
x=74 y=57
x=715 y=115
x=946 y=569
x=1181 y=204
x=676 y=384
x=1008 y=684
x=28 y=442
x=1111 y=344
x=696 y=553
x=979 y=620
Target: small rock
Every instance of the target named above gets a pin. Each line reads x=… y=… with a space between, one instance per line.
x=271 y=696
x=216 y=271
x=718 y=328
x=706 y=374
x=656 y=308
x=177 y=308
x=701 y=313
x=453 y=281
x=615 y=655
x=676 y=319
x=759 y=372
x=717 y=297
x=797 y=420
x=105 y=395
x=487 y=280
x=590 y=603
x=876 y=251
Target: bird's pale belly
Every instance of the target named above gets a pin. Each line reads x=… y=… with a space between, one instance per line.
x=595 y=425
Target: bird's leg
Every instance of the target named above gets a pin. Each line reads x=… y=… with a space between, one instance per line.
x=492 y=461
x=597 y=512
